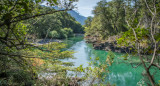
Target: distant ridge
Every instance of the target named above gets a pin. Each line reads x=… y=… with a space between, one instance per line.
x=81 y=19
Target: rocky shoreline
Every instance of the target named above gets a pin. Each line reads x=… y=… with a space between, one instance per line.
x=38 y=42
x=108 y=45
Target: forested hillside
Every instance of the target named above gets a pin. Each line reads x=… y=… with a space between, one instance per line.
x=81 y=19
x=58 y=25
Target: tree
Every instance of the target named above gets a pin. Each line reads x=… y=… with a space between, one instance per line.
x=88 y=21
x=43 y=25
x=143 y=35
x=109 y=19
x=53 y=34
x=17 y=54
x=136 y=22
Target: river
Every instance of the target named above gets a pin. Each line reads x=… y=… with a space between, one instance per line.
x=121 y=72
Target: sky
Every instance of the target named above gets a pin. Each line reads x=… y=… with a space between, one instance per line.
x=85 y=7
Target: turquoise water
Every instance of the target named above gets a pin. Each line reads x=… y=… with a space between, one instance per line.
x=121 y=72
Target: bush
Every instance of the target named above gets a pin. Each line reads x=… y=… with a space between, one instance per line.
x=66 y=32
x=54 y=34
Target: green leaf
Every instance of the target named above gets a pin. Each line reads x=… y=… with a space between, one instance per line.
x=97 y=58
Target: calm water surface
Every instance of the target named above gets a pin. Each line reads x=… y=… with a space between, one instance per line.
x=122 y=73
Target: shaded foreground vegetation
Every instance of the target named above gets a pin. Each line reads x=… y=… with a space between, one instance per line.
x=24 y=63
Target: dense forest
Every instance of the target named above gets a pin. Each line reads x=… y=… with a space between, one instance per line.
x=58 y=25
x=130 y=27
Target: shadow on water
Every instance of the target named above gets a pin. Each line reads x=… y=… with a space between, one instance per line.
x=121 y=72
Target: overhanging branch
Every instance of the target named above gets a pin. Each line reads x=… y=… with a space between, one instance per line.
x=34 y=16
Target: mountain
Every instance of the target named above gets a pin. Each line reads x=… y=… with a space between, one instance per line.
x=81 y=19
x=77 y=16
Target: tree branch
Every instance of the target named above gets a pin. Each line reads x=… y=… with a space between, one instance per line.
x=15 y=55
x=156 y=65
x=148 y=7
x=34 y=16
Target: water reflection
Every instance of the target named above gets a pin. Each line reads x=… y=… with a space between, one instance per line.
x=82 y=54
x=121 y=74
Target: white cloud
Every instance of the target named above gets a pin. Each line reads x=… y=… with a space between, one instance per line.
x=85 y=7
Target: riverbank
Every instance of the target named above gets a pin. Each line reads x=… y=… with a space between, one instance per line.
x=46 y=41
x=69 y=41
x=38 y=42
x=108 y=45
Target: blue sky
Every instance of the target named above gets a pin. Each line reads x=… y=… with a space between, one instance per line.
x=85 y=7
